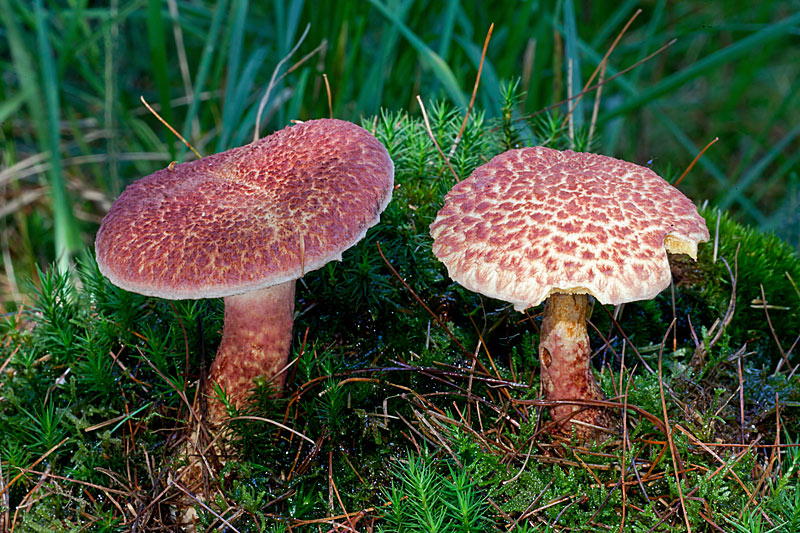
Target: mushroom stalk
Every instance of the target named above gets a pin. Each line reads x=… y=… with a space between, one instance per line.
x=566 y=360
x=256 y=338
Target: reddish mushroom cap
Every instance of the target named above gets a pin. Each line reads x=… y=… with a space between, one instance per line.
x=250 y=217
x=535 y=221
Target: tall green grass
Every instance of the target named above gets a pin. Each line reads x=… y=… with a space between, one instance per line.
x=421 y=418
x=74 y=131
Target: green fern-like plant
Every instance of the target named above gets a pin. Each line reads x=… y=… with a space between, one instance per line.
x=425 y=500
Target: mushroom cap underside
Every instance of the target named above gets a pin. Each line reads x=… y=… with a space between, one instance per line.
x=536 y=221
x=250 y=217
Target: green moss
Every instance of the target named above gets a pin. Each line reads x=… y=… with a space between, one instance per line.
x=761 y=260
x=95 y=373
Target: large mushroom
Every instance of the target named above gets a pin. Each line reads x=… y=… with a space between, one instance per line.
x=536 y=223
x=244 y=225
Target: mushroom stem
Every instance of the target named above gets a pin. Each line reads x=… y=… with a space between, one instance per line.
x=256 y=336
x=566 y=360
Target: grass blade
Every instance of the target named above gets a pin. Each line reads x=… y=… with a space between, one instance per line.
x=571 y=50
x=67 y=240
x=22 y=63
x=237 y=98
x=762 y=140
x=234 y=99
x=729 y=53
x=612 y=22
x=446 y=25
x=158 y=55
x=754 y=172
x=12 y=105
x=289 y=14
x=202 y=71
x=371 y=92
x=428 y=57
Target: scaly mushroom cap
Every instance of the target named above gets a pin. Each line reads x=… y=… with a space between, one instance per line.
x=250 y=217
x=535 y=221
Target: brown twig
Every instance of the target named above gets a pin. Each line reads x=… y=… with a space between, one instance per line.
x=267 y=420
x=430 y=134
x=697 y=158
x=330 y=519
x=336 y=491
x=204 y=506
x=585 y=466
x=773 y=456
x=596 y=107
x=784 y=357
x=8 y=359
x=720 y=468
x=180 y=48
x=741 y=396
x=471 y=377
x=527 y=512
x=36 y=462
x=482 y=342
x=625 y=438
x=570 y=118
x=710 y=522
x=474 y=93
x=180 y=393
x=627 y=339
x=170 y=128
x=601 y=67
x=80 y=482
x=595 y=86
x=718 y=328
x=676 y=461
x=5 y=518
x=274 y=81
x=438 y=437
x=596 y=403
x=328 y=90
x=711 y=452
x=418 y=299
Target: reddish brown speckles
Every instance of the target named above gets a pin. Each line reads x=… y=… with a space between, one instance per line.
x=229 y=219
x=605 y=268
x=601 y=214
x=569 y=227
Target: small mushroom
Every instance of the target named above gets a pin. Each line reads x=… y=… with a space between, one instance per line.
x=244 y=225
x=536 y=223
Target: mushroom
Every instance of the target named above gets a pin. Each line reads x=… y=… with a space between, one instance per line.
x=244 y=225
x=536 y=223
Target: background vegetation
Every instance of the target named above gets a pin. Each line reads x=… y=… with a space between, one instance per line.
x=74 y=131
x=89 y=374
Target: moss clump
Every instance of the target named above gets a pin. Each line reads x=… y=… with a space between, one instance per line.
x=98 y=381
